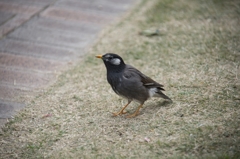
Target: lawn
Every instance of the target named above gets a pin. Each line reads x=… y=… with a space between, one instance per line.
x=195 y=55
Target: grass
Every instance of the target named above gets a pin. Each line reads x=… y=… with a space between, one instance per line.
x=196 y=57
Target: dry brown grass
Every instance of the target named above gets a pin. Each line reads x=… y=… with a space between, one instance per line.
x=196 y=57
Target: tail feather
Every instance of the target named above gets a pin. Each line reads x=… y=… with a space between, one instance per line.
x=161 y=94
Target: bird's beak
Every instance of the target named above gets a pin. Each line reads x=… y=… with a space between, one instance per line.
x=99 y=56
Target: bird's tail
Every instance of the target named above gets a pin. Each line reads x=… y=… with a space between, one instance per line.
x=161 y=94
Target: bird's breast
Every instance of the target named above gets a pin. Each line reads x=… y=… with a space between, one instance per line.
x=115 y=81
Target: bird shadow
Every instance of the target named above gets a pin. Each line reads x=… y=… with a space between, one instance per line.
x=153 y=106
x=164 y=103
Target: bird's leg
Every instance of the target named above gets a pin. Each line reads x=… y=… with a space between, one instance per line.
x=122 y=110
x=136 y=112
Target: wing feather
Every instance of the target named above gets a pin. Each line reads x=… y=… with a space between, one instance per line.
x=131 y=72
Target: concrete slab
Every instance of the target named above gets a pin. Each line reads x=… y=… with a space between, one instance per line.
x=11 y=92
x=25 y=78
x=4 y=17
x=28 y=63
x=19 y=47
x=52 y=37
x=63 y=25
x=17 y=8
x=42 y=3
x=9 y=109
x=75 y=15
x=99 y=7
x=13 y=23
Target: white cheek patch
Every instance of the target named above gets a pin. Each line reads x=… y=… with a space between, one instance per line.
x=116 y=61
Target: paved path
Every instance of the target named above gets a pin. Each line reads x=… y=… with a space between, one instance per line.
x=41 y=37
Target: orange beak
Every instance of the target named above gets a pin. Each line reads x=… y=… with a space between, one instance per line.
x=98 y=56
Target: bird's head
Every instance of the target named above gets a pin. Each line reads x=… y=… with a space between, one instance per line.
x=113 y=62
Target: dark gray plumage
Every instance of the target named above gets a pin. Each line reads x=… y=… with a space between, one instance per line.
x=129 y=82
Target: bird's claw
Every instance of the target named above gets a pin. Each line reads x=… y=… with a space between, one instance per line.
x=132 y=115
x=119 y=113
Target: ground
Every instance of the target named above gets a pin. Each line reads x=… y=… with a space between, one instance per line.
x=195 y=55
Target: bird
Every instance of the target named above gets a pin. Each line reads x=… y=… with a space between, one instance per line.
x=130 y=83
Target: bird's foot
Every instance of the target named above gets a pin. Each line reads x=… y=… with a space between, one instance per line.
x=119 y=113
x=136 y=112
x=133 y=115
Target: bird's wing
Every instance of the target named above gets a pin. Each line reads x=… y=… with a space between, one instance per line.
x=131 y=72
